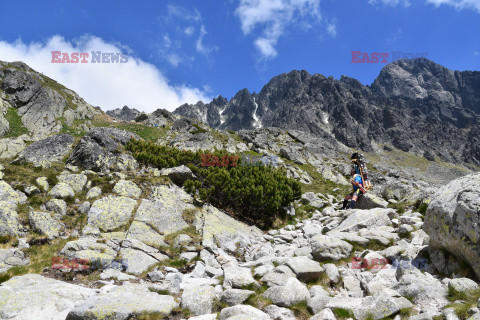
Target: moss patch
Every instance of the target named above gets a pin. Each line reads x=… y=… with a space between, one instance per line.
x=16 y=125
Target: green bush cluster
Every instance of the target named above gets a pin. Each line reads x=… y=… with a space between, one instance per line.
x=254 y=194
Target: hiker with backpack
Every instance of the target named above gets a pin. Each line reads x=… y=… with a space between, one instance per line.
x=359 y=180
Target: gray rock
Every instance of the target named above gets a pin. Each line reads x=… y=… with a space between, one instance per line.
x=452 y=218
x=125 y=114
x=181 y=240
x=328 y=248
x=57 y=206
x=116 y=274
x=22 y=197
x=139 y=256
x=61 y=190
x=291 y=293
x=43 y=223
x=163 y=213
x=278 y=276
x=365 y=218
x=304 y=268
x=380 y=306
x=237 y=277
x=31 y=190
x=212 y=316
x=44 y=152
x=43 y=183
x=292 y=154
x=126 y=188
x=370 y=201
x=462 y=284
x=9 y=220
x=110 y=213
x=90 y=249
x=156 y=276
x=84 y=207
x=178 y=174
x=222 y=231
x=198 y=299
x=93 y=193
x=235 y=296
x=123 y=302
x=319 y=298
x=188 y=256
x=76 y=181
x=325 y=314
x=33 y=296
x=10 y=147
x=427 y=292
x=10 y=258
x=7 y=194
x=97 y=149
x=332 y=272
x=347 y=303
x=279 y=313
x=241 y=309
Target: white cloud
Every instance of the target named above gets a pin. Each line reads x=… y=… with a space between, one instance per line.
x=272 y=17
x=174 y=59
x=183 y=23
x=393 y=3
x=476 y=52
x=189 y=31
x=200 y=46
x=458 y=4
x=332 y=29
x=183 y=13
x=109 y=85
x=266 y=47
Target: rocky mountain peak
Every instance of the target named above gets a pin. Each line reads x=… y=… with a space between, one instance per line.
x=43 y=105
x=414 y=105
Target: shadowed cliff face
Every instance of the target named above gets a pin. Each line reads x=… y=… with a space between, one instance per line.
x=413 y=105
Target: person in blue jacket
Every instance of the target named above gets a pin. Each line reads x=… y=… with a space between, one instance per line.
x=358 y=191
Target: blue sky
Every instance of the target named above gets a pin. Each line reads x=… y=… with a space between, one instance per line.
x=182 y=51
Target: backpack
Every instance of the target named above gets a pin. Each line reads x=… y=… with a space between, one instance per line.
x=359 y=166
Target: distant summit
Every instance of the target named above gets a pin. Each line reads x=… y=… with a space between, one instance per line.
x=125 y=113
x=414 y=105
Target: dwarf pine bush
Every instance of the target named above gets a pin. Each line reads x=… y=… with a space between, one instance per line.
x=254 y=194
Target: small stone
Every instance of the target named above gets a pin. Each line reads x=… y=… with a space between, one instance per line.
x=57 y=206
x=84 y=207
x=127 y=188
x=181 y=240
x=235 y=296
x=61 y=190
x=93 y=193
x=291 y=293
x=188 y=256
x=304 y=268
x=43 y=183
x=31 y=190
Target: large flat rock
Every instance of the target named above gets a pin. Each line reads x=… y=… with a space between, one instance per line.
x=35 y=297
x=123 y=302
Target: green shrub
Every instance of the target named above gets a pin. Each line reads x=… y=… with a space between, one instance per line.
x=254 y=194
x=199 y=129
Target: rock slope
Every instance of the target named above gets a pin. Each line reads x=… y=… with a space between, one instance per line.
x=37 y=103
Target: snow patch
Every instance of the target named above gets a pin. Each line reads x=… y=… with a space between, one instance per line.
x=257 y=123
